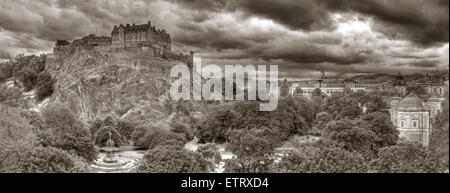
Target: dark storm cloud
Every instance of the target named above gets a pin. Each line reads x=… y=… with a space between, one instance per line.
x=426 y=63
x=302 y=33
x=296 y=14
x=421 y=21
x=205 y=5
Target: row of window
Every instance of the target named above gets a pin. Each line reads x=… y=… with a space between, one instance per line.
x=415 y=124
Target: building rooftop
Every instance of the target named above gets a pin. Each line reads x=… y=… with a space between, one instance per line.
x=411 y=101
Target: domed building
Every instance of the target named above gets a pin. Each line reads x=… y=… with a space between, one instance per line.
x=412 y=116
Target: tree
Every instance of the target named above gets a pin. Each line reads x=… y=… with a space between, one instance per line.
x=216 y=124
x=28 y=77
x=126 y=129
x=335 y=103
x=106 y=133
x=67 y=132
x=11 y=97
x=376 y=104
x=248 y=165
x=322 y=119
x=380 y=123
x=284 y=90
x=6 y=70
x=351 y=112
x=169 y=159
x=210 y=154
x=348 y=91
x=45 y=86
x=254 y=145
x=298 y=91
x=49 y=160
x=439 y=144
x=349 y=136
x=318 y=93
x=16 y=136
x=178 y=127
x=405 y=158
x=442 y=118
x=138 y=135
x=152 y=137
x=311 y=159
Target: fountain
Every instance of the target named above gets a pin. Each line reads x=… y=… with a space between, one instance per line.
x=109 y=152
x=111 y=160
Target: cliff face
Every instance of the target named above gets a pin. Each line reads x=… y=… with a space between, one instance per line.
x=123 y=85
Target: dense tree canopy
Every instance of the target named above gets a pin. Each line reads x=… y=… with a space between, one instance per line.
x=150 y=137
x=169 y=159
x=21 y=150
x=405 y=158
x=49 y=160
x=350 y=112
x=16 y=136
x=380 y=123
x=67 y=132
x=311 y=159
x=107 y=133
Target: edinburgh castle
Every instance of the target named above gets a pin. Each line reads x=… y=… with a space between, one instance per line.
x=144 y=39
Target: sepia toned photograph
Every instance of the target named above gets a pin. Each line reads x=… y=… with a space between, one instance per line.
x=224 y=86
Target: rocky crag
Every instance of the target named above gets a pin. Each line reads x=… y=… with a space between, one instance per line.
x=123 y=85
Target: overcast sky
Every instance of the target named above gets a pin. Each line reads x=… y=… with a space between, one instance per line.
x=342 y=37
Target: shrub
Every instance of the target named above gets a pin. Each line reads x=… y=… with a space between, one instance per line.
x=182 y=129
x=169 y=159
x=11 y=97
x=28 y=77
x=138 y=135
x=154 y=137
x=322 y=119
x=48 y=160
x=125 y=129
x=16 y=136
x=45 y=86
x=6 y=71
x=106 y=133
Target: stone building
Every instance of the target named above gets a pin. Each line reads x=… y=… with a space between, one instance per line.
x=413 y=117
x=140 y=35
x=332 y=88
x=308 y=89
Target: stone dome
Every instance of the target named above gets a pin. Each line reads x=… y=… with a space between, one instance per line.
x=411 y=101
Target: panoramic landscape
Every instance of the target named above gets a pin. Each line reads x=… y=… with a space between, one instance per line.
x=317 y=86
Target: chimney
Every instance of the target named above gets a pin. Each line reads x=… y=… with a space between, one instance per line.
x=149 y=23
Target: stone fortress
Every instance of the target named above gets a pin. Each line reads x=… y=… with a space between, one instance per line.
x=142 y=40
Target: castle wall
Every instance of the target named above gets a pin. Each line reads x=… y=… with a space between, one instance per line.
x=186 y=58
